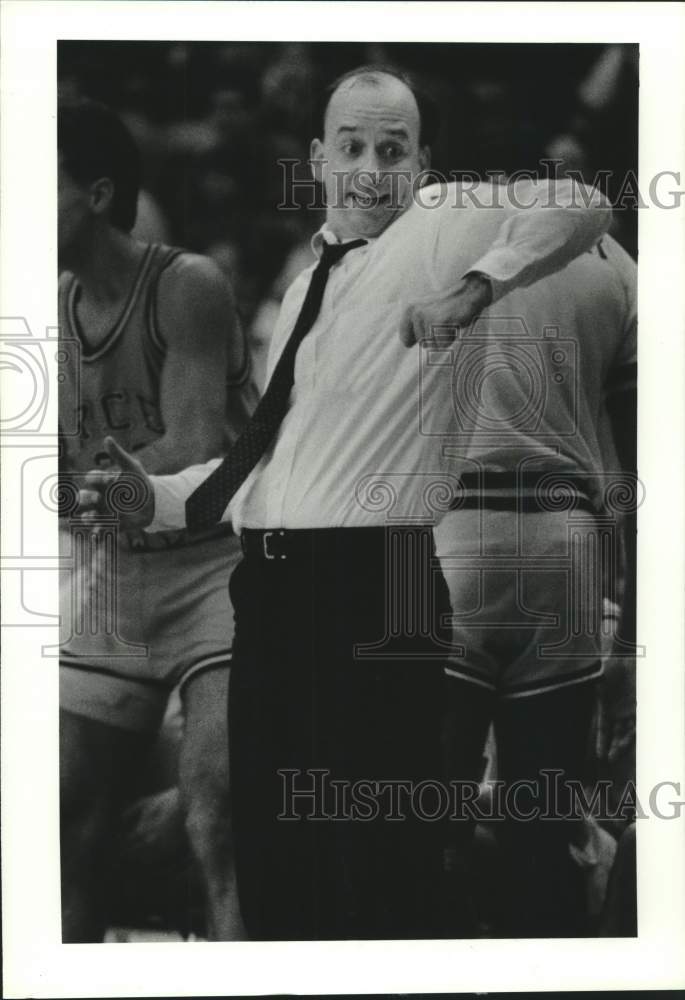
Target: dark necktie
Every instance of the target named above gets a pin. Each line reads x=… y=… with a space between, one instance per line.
x=207 y=503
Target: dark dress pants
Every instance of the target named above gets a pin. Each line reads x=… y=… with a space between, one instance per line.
x=305 y=697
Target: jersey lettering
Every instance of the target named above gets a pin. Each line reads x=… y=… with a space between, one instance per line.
x=116 y=421
x=151 y=415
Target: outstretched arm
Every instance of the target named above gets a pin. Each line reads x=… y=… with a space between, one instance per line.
x=140 y=501
x=538 y=227
x=490 y=239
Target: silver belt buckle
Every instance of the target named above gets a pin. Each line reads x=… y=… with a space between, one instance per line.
x=265 y=544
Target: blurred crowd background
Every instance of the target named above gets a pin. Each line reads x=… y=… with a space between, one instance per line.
x=216 y=120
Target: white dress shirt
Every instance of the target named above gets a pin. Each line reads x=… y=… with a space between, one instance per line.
x=363 y=441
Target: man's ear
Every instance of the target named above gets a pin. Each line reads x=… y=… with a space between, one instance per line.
x=316 y=158
x=101 y=193
x=425 y=157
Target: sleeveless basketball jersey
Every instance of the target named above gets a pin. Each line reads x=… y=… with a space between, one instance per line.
x=116 y=387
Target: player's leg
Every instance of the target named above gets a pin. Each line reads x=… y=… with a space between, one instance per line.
x=204 y=784
x=108 y=716
x=543 y=721
x=543 y=740
x=619 y=915
x=97 y=762
x=193 y=643
x=472 y=671
x=468 y=713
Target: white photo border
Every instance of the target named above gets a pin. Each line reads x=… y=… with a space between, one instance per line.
x=35 y=962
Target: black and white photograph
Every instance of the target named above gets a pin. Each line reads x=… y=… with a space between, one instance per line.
x=346 y=632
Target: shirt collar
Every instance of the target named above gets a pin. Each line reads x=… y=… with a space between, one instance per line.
x=326 y=235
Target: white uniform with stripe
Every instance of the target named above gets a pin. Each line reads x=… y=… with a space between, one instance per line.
x=139 y=614
x=527 y=588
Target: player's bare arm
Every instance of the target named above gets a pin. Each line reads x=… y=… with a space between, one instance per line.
x=197 y=319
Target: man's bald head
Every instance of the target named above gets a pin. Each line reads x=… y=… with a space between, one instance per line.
x=375 y=76
x=370 y=154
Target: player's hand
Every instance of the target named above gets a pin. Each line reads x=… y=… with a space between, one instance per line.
x=123 y=490
x=457 y=307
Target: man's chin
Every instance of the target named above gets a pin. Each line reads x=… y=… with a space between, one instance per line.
x=359 y=223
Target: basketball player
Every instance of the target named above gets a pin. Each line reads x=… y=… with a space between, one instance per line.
x=164 y=371
x=526 y=571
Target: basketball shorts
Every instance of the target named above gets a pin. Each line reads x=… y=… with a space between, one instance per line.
x=526 y=592
x=136 y=624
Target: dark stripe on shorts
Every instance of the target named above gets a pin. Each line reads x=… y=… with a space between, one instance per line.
x=216 y=661
x=541 y=686
x=465 y=673
x=471 y=676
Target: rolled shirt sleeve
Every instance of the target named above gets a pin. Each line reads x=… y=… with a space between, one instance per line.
x=519 y=232
x=171 y=493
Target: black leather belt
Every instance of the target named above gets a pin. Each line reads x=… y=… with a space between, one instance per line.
x=278 y=544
